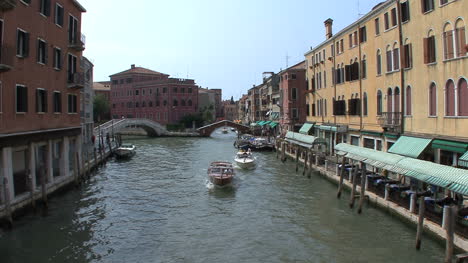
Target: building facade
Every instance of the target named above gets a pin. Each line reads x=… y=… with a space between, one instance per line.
x=41 y=80
x=86 y=113
x=400 y=70
x=230 y=110
x=143 y=93
x=292 y=101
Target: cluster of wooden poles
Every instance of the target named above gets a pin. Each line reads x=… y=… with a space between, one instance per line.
x=309 y=155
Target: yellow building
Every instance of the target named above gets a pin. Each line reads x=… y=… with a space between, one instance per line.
x=356 y=79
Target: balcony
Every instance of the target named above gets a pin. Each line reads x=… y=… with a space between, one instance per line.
x=7 y=55
x=76 y=80
x=6 y=5
x=390 y=121
x=77 y=44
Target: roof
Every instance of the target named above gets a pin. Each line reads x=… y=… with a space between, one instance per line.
x=79 y=6
x=452 y=178
x=138 y=70
x=100 y=86
x=409 y=146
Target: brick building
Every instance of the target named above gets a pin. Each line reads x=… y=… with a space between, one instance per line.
x=230 y=110
x=293 y=87
x=41 y=80
x=142 y=93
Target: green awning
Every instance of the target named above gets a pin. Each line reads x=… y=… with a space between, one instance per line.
x=258 y=122
x=300 y=139
x=449 y=177
x=409 y=146
x=371 y=133
x=463 y=161
x=327 y=128
x=306 y=128
x=273 y=124
x=451 y=146
x=264 y=123
x=392 y=136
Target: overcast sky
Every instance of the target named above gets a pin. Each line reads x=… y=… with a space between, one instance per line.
x=222 y=44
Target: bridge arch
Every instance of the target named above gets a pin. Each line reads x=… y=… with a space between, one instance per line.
x=208 y=129
x=152 y=128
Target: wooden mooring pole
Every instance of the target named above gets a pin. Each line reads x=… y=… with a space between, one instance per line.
x=283 y=151
x=363 y=187
x=449 y=228
x=6 y=195
x=353 y=190
x=43 y=174
x=297 y=158
x=342 y=172
x=305 y=162
x=420 y=223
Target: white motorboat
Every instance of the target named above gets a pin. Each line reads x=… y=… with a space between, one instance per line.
x=125 y=151
x=245 y=159
x=224 y=130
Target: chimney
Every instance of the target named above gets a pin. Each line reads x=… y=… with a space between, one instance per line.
x=328 y=28
x=133 y=66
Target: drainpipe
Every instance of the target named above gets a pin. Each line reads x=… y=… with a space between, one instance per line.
x=360 y=76
x=334 y=79
x=402 y=70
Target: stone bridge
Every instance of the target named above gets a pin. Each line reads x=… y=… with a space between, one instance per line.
x=208 y=129
x=114 y=126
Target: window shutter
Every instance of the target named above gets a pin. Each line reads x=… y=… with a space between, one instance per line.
x=450 y=51
x=25 y=98
x=18 y=50
x=47 y=8
x=46 y=54
x=426 y=50
x=347 y=72
x=461 y=42
x=38 y=50
x=409 y=52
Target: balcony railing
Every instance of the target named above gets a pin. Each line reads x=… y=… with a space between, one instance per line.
x=7 y=55
x=77 y=44
x=76 y=80
x=390 y=120
x=6 y=5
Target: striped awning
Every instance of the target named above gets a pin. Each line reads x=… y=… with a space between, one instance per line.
x=409 y=146
x=463 y=161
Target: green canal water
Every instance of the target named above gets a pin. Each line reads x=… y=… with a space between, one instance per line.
x=158 y=207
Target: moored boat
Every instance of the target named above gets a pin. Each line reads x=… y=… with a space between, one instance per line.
x=224 y=130
x=125 y=151
x=221 y=173
x=245 y=159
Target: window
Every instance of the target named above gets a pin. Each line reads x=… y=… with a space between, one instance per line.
x=294 y=113
x=72 y=30
x=182 y=90
x=363 y=67
x=364 y=104
x=339 y=107
x=430 y=48
x=386 y=21
x=352 y=71
x=165 y=103
x=394 y=17
x=369 y=143
x=22 y=43
x=462 y=98
x=460 y=39
x=450 y=98
x=405 y=13
x=396 y=57
x=21 y=98
x=189 y=103
x=379 y=63
x=377 y=26
x=71 y=67
x=174 y=89
x=379 y=102
x=293 y=76
x=164 y=90
x=58 y=15
x=189 y=90
x=350 y=36
x=448 y=42
x=342 y=45
x=72 y=106
x=41 y=51
x=407 y=56
x=58 y=59
x=408 y=101
x=389 y=59
x=182 y=103
x=157 y=103
x=362 y=34
x=137 y=92
x=57 y=102
x=143 y=104
x=293 y=93
x=308 y=109
x=137 y=104
x=175 y=103
x=443 y=2
x=41 y=100
x=44 y=7
x=354 y=106
x=427 y=5
x=324 y=79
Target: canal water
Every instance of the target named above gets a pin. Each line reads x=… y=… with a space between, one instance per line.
x=158 y=207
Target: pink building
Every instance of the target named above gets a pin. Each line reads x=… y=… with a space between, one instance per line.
x=293 y=87
x=143 y=93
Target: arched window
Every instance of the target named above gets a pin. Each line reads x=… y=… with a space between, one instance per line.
x=460 y=38
x=182 y=103
x=150 y=104
x=389 y=59
x=364 y=104
x=342 y=72
x=396 y=100
x=165 y=103
x=447 y=37
x=379 y=62
x=450 y=98
x=157 y=103
x=189 y=103
x=175 y=103
x=430 y=48
x=325 y=107
x=433 y=100
x=408 y=101
x=143 y=104
x=396 y=57
x=389 y=100
x=462 y=98
x=363 y=67
x=379 y=102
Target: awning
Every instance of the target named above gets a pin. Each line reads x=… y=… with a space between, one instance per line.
x=463 y=161
x=300 y=139
x=409 y=146
x=273 y=124
x=327 y=128
x=451 y=146
x=306 y=128
x=264 y=123
x=452 y=178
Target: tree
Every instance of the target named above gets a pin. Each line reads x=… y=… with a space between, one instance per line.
x=101 y=108
x=188 y=120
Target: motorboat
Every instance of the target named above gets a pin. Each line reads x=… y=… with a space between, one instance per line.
x=221 y=173
x=224 y=130
x=261 y=144
x=233 y=129
x=245 y=159
x=125 y=151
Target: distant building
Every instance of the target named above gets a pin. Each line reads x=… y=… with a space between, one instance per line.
x=242 y=108
x=102 y=88
x=207 y=101
x=218 y=106
x=230 y=110
x=293 y=88
x=143 y=93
